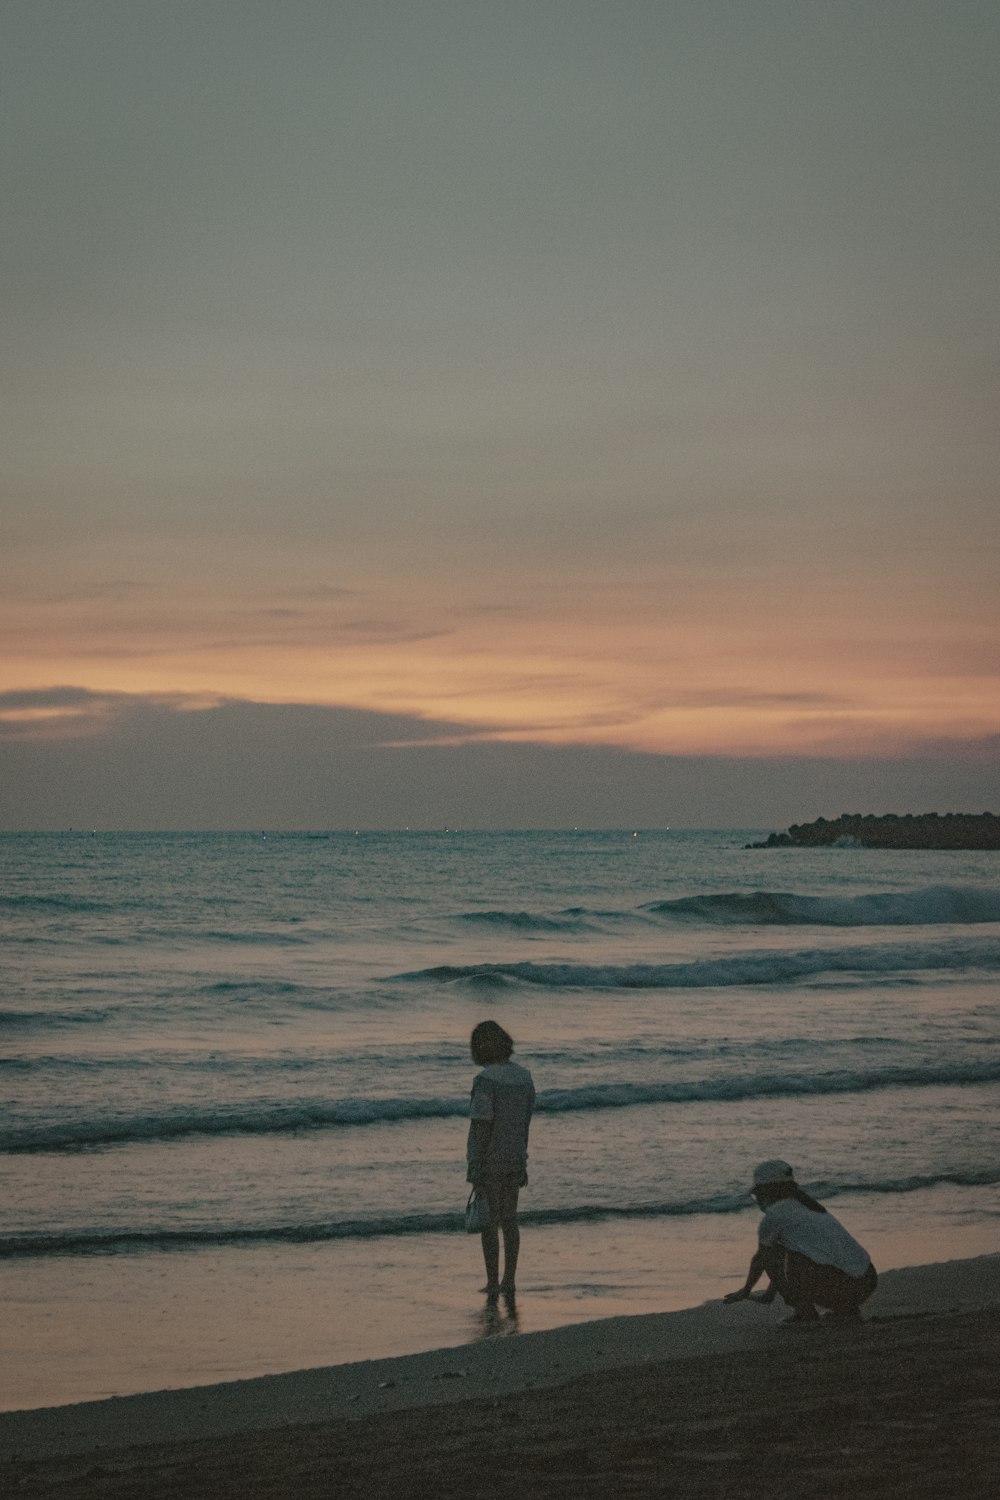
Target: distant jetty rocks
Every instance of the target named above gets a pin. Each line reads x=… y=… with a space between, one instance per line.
x=910 y=831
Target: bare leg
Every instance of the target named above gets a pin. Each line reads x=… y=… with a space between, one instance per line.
x=491 y=1255
x=511 y=1250
x=788 y=1280
x=502 y=1197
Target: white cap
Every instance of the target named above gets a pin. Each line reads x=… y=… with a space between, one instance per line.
x=774 y=1170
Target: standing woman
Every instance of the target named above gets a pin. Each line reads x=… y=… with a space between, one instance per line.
x=503 y=1097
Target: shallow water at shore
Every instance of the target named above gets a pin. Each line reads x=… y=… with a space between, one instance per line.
x=90 y=1327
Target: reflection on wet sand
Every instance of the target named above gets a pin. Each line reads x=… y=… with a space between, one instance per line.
x=497 y=1318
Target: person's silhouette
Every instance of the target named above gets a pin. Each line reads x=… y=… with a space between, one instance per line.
x=503 y=1097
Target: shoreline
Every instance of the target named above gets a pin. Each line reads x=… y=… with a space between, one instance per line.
x=88 y=1329
x=493 y=1370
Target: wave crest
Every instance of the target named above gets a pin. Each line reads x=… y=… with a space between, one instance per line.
x=286 y=1119
x=935 y=905
x=958 y=955
x=108 y=1242
x=526 y=921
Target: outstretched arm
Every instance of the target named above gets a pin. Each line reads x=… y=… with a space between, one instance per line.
x=754 y=1274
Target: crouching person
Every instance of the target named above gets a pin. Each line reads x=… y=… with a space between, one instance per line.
x=809 y=1257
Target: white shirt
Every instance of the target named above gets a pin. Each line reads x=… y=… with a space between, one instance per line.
x=819 y=1237
x=504 y=1095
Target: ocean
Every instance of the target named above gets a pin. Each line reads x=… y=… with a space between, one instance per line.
x=235 y=1081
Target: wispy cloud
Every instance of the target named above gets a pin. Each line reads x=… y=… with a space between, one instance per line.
x=70 y=712
x=112 y=591
x=736 y=697
x=66 y=713
x=54 y=698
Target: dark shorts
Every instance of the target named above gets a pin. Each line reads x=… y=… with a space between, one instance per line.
x=501 y=1194
x=801 y=1281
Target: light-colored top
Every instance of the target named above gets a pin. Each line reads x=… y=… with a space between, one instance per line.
x=504 y=1095
x=819 y=1237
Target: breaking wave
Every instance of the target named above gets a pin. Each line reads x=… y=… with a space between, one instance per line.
x=27 y=1019
x=274 y=1119
x=932 y=906
x=526 y=921
x=124 y=1241
x=957 y=956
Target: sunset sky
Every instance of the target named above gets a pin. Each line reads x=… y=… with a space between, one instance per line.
x=413 y=401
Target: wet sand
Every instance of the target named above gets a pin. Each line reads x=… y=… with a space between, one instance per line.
x=712 y=1401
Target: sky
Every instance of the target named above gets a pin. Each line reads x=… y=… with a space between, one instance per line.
x=508 y=414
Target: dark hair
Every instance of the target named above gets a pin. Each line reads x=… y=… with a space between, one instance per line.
x=767 y=1193
x=490 y=1044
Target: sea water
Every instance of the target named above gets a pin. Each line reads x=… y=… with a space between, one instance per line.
x=235 y=1080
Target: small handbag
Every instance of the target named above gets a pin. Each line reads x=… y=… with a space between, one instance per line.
x=477 y=1213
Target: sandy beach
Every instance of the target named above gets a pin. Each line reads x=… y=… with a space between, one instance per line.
x=710 y=1401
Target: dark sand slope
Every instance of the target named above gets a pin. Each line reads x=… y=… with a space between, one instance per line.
x=904 y=1404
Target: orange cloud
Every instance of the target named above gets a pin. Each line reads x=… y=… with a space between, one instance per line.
x=649 y=656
